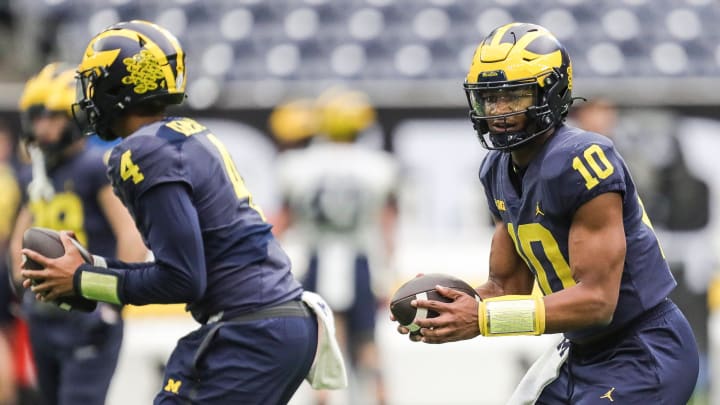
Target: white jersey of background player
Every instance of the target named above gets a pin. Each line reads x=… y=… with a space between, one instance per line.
x=339 y=203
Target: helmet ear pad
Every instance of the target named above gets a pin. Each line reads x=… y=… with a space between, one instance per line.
x=557 y=95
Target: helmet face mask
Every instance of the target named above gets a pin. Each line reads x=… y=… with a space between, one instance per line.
x=518 y=87
x=85 y=112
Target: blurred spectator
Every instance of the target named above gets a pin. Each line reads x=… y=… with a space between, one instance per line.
x=9 y=201
x=597 y=115
x=339 y=199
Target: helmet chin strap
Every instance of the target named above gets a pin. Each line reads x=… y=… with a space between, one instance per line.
x=40 y=188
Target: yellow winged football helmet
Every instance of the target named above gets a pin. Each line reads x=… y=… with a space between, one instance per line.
x=525 y=65
x=129 y=65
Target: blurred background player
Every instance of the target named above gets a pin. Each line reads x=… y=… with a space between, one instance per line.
x=9 y=203
x=294 y=123
x=75 y=352
x=339 y=201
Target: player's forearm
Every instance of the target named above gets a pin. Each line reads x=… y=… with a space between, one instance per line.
x=490 y=289
x=137 y=285
x=516 y=282
x=508 y=274
x=578 y=307
x=121 y=265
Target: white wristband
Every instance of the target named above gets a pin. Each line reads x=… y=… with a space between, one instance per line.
x=99 y=261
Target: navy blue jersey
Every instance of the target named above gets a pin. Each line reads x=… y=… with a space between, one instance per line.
x=238 y=266
x=75 y=206
x=573 y=167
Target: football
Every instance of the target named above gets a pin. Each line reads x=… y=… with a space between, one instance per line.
x=423 y=287
x=47 y=242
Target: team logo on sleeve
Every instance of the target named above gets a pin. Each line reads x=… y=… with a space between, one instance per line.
x=173 y=386
x=608 y=395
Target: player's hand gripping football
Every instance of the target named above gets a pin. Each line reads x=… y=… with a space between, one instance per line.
x=56 y=279
x=458 y=320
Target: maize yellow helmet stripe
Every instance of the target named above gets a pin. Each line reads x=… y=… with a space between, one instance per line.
x=96 y=59
x=499 y=56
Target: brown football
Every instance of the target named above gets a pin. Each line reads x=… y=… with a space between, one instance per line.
x=423 y=287
x=47 y=242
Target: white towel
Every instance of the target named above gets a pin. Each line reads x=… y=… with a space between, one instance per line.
x=544 y=371
x=328 y=369
x=40 y=188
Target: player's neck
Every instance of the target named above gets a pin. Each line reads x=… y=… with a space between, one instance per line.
x=521 y=157
x=131 y=123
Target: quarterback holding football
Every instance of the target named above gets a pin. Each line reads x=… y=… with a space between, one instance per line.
x=568 y=217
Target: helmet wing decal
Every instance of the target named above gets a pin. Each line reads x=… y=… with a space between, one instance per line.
x=94 y=60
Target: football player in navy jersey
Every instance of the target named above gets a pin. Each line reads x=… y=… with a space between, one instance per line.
x=75 y=353
x=213 y=248
x=569 y=218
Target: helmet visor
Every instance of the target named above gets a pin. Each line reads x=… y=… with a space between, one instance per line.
x=501 y=101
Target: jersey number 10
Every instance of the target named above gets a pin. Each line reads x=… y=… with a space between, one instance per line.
x=591 y=156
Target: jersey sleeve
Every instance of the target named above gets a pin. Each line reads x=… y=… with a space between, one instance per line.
x=143 y=161
x=577 y=174
x=487 y=170
x=169 y=221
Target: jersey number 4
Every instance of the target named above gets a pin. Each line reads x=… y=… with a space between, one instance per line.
x=128 y=169
x=237 y=181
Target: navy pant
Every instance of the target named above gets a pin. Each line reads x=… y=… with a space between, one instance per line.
x=259 y=362
x=654 y=362
x=75 y=356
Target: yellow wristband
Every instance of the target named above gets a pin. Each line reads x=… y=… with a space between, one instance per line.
x=511 y=315
x=99 y=287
